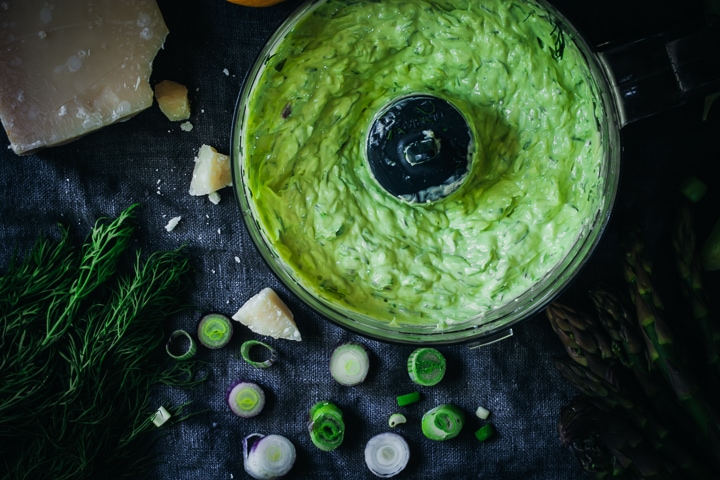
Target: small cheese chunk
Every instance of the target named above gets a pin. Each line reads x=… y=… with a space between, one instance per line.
x=172 y=223
x=266 y=314
x=211 y=172
x=172 y=97
x=68 y=67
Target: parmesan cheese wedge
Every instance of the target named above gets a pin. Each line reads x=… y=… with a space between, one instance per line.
x=211 y=172
x=68 y=67
x=266 y=314
x=172 y=98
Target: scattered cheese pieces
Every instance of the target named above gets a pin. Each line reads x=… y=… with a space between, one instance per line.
x=70 y=67
x=172 y=223
x=266 y=314
x=172 y=97
x=211 y=172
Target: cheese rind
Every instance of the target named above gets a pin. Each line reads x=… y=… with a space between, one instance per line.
x=69 y=67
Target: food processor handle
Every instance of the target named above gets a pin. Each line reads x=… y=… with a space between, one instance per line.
x=662 y=71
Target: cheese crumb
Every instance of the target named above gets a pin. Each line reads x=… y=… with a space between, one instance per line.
x=186 y=126
x=226 y=71
x=172 y=97
x=172 y=223
x=214 y=198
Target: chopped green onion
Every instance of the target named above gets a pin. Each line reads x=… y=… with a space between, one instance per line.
x=426 y=366
x=396 y=419
x=181 y=345
x=349 y=364
x=326 y=426
x=485 y=432
x=248 y=346
x=246 y=399
x=443 y=422
x=268 y=457
x=160 y=417
x=215 y=330
x=482 y=412
x=693 y=188
x=408 y=399
x=387 y=454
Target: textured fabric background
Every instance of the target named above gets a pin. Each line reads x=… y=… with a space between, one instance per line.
x=150 y=160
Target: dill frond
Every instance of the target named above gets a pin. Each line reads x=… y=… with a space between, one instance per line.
x=81 y=351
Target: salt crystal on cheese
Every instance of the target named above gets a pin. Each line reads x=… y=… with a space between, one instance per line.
x=68 y=67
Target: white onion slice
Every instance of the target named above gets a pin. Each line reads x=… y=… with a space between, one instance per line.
x=267 y=457
x=349 y=364
x=387 y=454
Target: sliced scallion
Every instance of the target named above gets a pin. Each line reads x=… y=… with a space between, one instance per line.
x=485 y=432
x=215 y=330
x=160 y=416
x=396 y=419
x=443 y=422
x=349 y=364
x=326 y=426
x=387 y=454
x=246 y=399
x=408 y=399
x=267 y=457
x=181 y=345
x=246 y=350
x=482 y=412
x=426 y=366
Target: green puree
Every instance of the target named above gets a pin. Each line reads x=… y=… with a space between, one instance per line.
x=534 y=179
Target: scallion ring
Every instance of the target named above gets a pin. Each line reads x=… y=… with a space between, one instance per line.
x=396 y=419
x=426 y=366
x=247 y=347
x=267 y=457
x=160 y=416
x=387 y=454
x=181 y=345
x=443 y=422
x=326 y=426
x=349 y=364
x=245 y=399
x=215 y=330
x=482 y=413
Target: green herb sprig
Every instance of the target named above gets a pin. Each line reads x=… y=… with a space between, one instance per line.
x=81 y=350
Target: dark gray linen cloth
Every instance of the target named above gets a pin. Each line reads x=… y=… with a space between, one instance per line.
x=149 y=160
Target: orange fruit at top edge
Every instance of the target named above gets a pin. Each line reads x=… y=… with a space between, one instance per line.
x=256 y=3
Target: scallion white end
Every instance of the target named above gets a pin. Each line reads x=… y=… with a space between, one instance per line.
x=267 y=457
x=349 y=364
x=387 y=454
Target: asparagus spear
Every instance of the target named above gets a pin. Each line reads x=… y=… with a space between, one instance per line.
x=662 y=350
x=584 y=339
x=622 y=326
x=606 y=444
x=687 y=262
x=612 y=398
